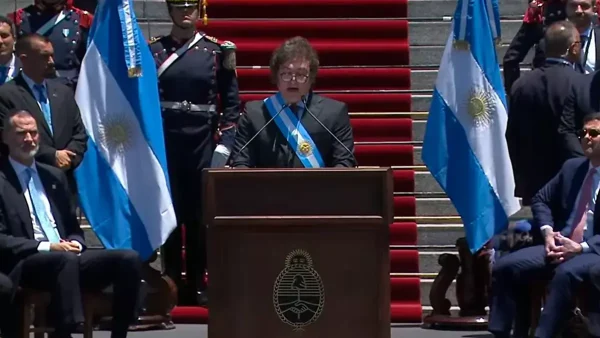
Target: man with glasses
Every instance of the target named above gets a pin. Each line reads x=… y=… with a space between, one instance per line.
x=564 y=211
x=536 y=103
x=295 y=128
x=200 y=107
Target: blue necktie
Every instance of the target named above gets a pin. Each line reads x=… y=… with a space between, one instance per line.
x=3 y=74
x=43 y=100
x=39 y=210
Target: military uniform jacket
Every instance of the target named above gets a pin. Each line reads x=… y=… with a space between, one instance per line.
x=203 y=75
x=67 y=30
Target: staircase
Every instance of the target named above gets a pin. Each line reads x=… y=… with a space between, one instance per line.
x=381 y=58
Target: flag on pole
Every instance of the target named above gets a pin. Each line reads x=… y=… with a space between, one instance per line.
x=122 y=180
x=464 y=146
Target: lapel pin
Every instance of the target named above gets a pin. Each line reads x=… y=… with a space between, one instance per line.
x=54 y=187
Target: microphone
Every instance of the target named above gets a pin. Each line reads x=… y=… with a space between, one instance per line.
x=263 y=127
x=329 y=131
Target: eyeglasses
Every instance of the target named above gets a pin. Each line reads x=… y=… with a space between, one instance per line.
x=592 y=132
x=287 y=77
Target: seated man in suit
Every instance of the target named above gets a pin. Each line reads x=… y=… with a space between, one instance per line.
x=564 y=208
x=6 y=294
x=41 y=243
x=63 y=140
x=309 y=130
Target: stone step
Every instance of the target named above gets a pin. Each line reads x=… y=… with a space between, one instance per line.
x=443 y=207
x=428 y=261
x=430 y=56
x=438 y=236
x=425 y=9
x=424 y=79
x=428 y=33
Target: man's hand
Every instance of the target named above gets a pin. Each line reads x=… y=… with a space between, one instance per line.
x=65 y=246
x=566 y=250
x=64 y=158
x=550 y=242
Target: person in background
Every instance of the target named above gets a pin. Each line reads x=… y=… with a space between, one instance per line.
x=301 y=128
x=63 y=139
x=536 y=103
x=67 y=28
x=200 y=103
x=9 y=63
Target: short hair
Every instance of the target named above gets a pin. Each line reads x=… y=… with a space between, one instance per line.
x=294 y=48
x=7 y=119
x=559 y=37
x=591 y=117
x=10 y=24
x=23 y=45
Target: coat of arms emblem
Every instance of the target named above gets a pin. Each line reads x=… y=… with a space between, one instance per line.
x=298 y=293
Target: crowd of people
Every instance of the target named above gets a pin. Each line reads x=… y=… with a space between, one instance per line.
x=44 y=140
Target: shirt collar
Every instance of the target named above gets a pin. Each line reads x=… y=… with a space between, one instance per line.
x=30 y=82
x=11 y=64
x=20 y=168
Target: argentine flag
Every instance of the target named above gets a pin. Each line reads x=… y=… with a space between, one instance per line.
x=123 y=182
x=464 y=146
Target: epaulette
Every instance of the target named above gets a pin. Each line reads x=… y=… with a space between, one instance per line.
x=154 y=39
x=17 y=17
x=228 y=49
x=85 y=18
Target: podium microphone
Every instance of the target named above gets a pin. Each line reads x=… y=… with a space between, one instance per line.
x=263 y=127
x=329 y=131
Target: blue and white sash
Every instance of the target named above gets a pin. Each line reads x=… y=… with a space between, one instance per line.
x=295 y=133
x=52 y=22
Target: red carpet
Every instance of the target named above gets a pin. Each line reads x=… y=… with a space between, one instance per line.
x=329 y=79
x=371 y=102
x=332 y=52
x=364 y=57
x=244 y=30
x=280 y=9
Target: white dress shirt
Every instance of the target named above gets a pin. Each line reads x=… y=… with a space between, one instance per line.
x=589 y=64
x=12 y=68
x=38 y=231
x=589 y=224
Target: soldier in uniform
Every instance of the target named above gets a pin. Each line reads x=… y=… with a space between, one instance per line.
x=200 y=105
x=67 y=28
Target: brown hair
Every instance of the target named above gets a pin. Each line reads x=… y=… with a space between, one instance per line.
x=294 y=48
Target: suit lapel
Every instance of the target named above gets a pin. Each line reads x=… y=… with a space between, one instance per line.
x=32 y=103
x=15 y=190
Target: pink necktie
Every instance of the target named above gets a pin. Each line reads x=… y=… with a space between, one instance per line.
x=584 y=201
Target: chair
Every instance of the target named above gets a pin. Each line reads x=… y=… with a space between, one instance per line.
x=32 y=308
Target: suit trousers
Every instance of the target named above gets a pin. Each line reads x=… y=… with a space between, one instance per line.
x=6 y=293
x=511 y=278
x=66 y=274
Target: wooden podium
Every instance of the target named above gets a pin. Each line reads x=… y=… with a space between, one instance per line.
x=298 y=252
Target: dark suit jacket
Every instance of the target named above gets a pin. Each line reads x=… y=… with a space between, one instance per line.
x=16 y=230
x=582 y=100
x=535 y=108
x=69 y=131
x=270 y=149
x=553 y=204
x=540 y=55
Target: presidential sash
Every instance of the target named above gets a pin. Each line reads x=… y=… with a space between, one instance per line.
x=178 y=53
x=294 y=131
x=52 y=22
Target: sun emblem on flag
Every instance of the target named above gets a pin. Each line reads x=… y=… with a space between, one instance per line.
x=115 y=131
x=481 y=107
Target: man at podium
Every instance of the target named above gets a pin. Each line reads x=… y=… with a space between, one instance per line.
x=294 y=128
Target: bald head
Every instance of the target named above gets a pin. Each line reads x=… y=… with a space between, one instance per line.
x=559 y=38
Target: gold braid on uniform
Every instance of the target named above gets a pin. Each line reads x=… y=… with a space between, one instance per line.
x=204 y=13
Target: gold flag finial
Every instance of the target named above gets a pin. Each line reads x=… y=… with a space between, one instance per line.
x=204 y=13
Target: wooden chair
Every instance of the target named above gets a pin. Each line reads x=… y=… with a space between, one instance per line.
x=32 y=309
